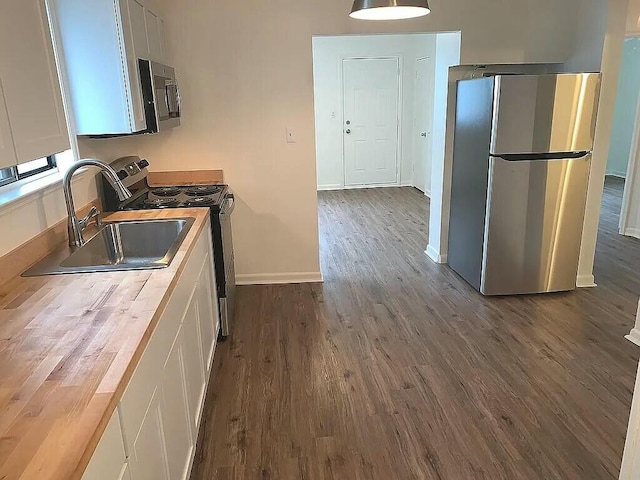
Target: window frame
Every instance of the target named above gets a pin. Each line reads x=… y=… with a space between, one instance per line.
x=51 y=164
x=14 y=176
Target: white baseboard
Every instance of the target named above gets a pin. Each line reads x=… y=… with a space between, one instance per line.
x=617 y=174
x=632 y=232
x=586 y=281
x=278 y=278
x=634 y=336
x=337 y=186
x=433 y=254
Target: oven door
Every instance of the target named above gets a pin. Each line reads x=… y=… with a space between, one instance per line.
x=228 y=301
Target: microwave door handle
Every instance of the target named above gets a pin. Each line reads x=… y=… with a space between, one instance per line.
x=173 y=101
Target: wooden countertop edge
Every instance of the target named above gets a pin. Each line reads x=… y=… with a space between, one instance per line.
x=201 y=216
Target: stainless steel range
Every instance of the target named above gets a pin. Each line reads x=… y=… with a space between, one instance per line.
x=217 y=197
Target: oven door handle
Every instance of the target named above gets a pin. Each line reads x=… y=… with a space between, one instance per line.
x=229 y=205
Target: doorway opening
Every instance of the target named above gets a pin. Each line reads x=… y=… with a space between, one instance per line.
x=380 y=115
x=622 y=185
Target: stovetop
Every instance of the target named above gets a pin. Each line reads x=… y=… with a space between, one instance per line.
x=176 y=197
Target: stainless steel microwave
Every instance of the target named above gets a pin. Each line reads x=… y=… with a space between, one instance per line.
x=160 y=96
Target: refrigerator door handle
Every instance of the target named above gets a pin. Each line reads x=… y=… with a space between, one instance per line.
x=520 y=157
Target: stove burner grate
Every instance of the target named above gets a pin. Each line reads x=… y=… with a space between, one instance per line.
x=202 y=190
x=200 y=201
x=160 y=202
x=166 y=191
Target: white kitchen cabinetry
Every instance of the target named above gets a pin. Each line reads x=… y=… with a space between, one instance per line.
x=109 y=461
x=161 y=407
x=102 y=41
x=31 y=103
x=8 y=156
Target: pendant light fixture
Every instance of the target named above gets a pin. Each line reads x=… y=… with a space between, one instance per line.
x=389 y=9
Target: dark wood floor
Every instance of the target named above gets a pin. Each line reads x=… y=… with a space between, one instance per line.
x=395 y=368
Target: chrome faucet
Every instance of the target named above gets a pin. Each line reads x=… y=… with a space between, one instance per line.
x=76 y=226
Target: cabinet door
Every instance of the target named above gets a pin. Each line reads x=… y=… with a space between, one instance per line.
x=193 y=362
x=130 y=17
x=7 y=151
x=175 y=412
x=153 y=35
x=30 y=81
x=163 y=41
x=207 y=310
x=148 y=455
x=139 y=29
x=108 y=461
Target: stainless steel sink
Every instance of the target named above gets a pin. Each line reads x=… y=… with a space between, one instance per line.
x=131 y=245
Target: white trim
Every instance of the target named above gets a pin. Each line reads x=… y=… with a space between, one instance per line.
x=631 y=455
x=634 y=336
x=631 y=232
x=18 y=194
x=330 y=187
x=358 y=187
x=586 y=281
x=616 y=174
x=278 y=278
x=434 y=255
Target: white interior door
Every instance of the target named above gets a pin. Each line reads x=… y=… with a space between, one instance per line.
x=422 y=125
x=371 y=94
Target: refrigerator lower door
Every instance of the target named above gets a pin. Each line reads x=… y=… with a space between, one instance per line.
x=533 y=229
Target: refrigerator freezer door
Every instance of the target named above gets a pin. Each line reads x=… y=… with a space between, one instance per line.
x=534 y=225
x=544 y=113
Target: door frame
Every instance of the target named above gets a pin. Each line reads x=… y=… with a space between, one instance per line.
x=399 y=58
x=427 y=192
x=631 y=168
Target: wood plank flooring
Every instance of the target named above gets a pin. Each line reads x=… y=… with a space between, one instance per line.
x=395 y=368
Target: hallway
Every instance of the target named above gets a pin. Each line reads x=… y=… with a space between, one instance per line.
x=396 y=368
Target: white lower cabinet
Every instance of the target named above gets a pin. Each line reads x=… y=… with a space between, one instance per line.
x=153 y=433
x=178 y=438
x=148 y=453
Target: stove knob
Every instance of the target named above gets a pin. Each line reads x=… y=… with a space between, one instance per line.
x=143 y=163
x=122 y=174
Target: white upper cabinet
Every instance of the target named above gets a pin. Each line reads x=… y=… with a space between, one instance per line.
x=102 y=41
x=32 y=100
x=153 y=34
x=139 y=28
x=8 y=156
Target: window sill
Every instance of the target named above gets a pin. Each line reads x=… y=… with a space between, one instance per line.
x=23 y=191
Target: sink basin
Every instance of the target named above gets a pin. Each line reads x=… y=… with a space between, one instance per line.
x=130 y=245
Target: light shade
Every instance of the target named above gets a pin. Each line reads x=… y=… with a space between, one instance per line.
x=389 y=9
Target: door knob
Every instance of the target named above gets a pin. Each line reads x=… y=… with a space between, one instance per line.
x=348 y=131
x=423 y=134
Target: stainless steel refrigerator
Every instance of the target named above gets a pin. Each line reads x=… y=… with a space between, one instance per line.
x=521 y=162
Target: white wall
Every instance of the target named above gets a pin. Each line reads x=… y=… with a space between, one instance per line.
x=30 y=215
x=328 y=53
x=246 y=74
x=598 y=47
x=447 y=55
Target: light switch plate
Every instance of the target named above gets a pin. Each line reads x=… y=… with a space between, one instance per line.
x=291 y=135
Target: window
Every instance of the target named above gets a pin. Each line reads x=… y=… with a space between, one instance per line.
x=29 y=169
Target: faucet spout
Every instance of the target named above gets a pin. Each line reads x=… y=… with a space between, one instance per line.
x=74 y=225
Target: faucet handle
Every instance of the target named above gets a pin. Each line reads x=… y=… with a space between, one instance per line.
x=93 y=213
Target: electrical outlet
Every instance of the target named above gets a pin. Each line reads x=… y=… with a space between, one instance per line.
x=291 y=135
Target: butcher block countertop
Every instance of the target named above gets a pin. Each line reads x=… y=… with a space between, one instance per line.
x=68 y=347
